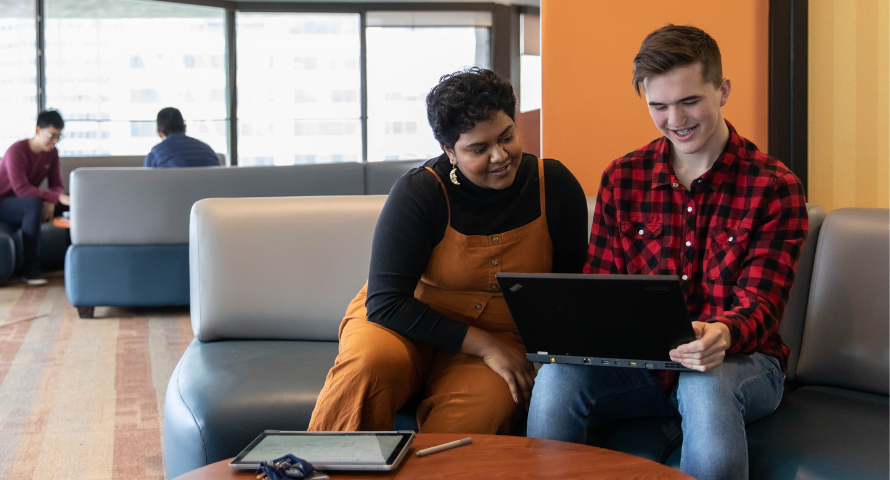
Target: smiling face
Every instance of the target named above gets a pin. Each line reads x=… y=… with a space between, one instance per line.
x=489 y=154
x=686 y=109
x=45 y=139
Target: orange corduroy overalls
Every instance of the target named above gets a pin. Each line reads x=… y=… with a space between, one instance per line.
x=378 y=370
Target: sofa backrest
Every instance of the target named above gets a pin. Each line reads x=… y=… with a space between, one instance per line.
x=846 y=337
x=791 y=327
x=380 y=176
x=151 y=206
x=69 y=164
x=591 y=204
x=278 y=268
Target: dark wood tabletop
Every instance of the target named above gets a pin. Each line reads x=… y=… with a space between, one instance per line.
x=491 y=456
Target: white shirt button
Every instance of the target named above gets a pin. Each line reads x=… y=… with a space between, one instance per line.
x=688 y=209
x=688 y=244
x=675 y=184
x=684 y=277
x=641 y=232
x=730 y=239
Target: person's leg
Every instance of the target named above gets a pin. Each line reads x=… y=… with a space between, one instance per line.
x=568 y=399
x=464 y=395
x=26 y=213
x=716 y=406
x=375 y=373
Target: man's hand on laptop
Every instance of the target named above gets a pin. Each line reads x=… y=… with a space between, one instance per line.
x=511 y=364
x=707 y=351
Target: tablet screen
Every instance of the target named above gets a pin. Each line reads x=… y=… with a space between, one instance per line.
x=346 y=448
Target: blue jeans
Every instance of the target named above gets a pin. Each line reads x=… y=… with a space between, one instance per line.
x=714 y=406
x=27 y=214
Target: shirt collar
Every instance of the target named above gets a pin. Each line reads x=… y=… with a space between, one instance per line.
x=174 y=135
x=663 y=173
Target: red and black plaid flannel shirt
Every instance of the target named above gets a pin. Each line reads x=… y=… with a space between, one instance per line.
x=733 y=239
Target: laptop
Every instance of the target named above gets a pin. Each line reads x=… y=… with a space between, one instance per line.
x=629 y=321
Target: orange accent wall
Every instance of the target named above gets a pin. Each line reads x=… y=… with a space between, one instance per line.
x=591 y=114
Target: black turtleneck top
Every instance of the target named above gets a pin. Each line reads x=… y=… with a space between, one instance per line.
x=413 y=222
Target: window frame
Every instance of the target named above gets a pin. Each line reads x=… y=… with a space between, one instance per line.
x=504 y=45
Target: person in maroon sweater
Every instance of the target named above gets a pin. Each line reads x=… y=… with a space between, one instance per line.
x=22 y=202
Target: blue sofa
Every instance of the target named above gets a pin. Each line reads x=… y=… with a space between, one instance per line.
x=129 y=226
x=271 y=278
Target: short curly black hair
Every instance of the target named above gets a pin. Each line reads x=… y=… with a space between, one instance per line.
x=463 y=99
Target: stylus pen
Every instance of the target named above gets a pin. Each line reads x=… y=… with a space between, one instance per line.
x=444 y=446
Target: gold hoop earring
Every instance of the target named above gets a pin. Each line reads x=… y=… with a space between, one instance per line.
x=453 y=174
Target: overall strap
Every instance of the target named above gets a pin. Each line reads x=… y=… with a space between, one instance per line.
x=448 y=203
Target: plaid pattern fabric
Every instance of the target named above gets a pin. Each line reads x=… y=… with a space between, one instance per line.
x=733 y=238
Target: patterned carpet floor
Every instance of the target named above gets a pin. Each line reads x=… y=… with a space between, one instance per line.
x=83 y=398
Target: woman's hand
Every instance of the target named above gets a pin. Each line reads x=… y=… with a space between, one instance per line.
x=507 y=362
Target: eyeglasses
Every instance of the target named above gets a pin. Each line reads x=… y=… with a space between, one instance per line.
x=54 y=138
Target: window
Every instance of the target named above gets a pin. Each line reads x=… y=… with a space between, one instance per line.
x=112 y=65
x=530 y=63
x=305 y=93
x=407 y=54
x=18 y=71
x=298 y=88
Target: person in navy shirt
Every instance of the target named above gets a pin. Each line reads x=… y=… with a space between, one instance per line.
x=176 y=149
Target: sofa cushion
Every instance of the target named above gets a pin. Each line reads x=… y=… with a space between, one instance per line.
x=278 y=268
x=126 y=275
x=822 y=433
x=652 y=438
x=223 y=394
x=151 y=206
x=7 y=249
x=845 y=340
x=54 y=242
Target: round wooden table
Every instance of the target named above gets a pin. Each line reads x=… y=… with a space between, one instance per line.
x=491 y=456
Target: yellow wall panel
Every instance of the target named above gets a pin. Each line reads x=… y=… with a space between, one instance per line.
x=848 y=103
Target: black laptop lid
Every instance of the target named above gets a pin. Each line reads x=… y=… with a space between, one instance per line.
x=619 y=316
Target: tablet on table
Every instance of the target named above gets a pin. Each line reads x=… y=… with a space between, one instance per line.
x=329 y=450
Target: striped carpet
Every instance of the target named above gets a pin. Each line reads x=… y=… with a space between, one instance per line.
x=83 y=399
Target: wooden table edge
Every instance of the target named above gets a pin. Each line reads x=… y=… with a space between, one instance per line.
x=484 y=456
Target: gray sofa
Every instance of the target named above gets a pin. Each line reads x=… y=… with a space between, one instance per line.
x=129 y=228
x=271 y=278
x=54 y=241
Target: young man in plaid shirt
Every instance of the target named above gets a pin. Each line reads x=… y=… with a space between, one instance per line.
x=702 y=203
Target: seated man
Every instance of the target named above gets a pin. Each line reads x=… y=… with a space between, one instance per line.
x=176 y=149
x=703 y=203
x=22 y=203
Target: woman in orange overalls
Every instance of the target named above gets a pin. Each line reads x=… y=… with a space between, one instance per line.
x=431 y=320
